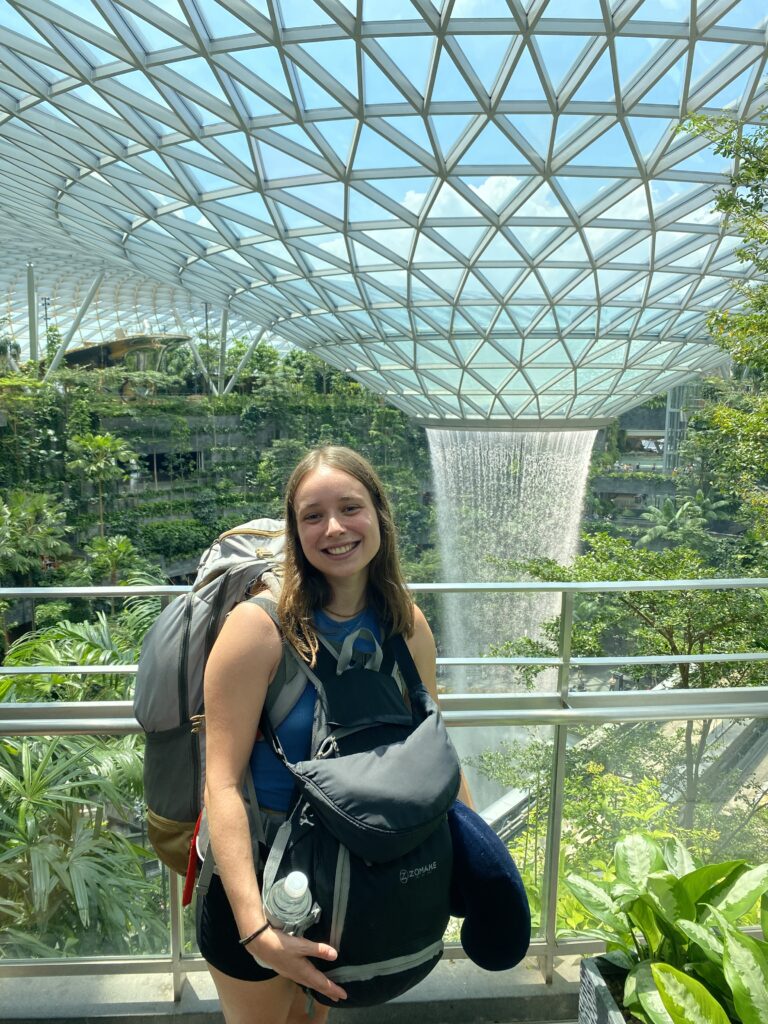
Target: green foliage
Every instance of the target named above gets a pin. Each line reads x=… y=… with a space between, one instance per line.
x=673 y=923
x=174 y=538
x=32 y=531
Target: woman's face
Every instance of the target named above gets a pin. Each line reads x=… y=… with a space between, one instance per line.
x=337 y=523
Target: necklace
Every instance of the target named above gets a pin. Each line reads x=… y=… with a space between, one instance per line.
x=340 y=616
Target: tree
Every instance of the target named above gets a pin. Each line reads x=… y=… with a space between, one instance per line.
x=657 y=622
x=674 y=524
x=32 y=531
x=100 y=459
x=728 y=437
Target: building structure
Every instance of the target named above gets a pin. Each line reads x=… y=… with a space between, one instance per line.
x=481 y=209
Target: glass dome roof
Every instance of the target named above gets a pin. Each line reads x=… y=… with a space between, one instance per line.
x=478 y=208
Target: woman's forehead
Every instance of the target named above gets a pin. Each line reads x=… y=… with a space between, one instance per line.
x=327 y=483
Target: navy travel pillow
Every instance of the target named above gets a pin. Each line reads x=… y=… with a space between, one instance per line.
x=488 y=892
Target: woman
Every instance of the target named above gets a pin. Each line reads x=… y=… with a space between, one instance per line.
x=341 y=573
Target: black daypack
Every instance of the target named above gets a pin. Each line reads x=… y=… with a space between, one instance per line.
x=368 y=826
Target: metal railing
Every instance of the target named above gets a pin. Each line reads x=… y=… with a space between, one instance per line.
x=560 y=709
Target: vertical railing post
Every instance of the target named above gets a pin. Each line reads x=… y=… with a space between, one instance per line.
x=555 y=822
x=177 y=936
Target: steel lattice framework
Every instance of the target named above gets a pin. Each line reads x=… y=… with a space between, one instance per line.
x=479 y=209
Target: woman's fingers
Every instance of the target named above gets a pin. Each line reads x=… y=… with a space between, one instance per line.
x=319 y=950
x=289 y=956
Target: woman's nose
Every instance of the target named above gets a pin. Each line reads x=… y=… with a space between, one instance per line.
x=334 y=526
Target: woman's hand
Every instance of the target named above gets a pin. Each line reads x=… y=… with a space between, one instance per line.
x=288 y=955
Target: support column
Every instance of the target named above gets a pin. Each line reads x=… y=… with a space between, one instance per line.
x=223 y=347
x=32 y=313
x=244 y=360
x=202 y=367
x=76 y=323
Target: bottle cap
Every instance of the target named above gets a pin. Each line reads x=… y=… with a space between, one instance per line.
x=296 y=884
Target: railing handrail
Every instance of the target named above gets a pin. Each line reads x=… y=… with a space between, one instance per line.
x=501 y=587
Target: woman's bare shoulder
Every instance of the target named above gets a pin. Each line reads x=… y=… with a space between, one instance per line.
x=249 y=630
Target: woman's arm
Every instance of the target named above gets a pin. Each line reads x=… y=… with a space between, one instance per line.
x=240 y=668
x=421 y=644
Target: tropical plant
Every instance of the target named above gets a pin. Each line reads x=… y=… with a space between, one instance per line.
x=100 y=459
x=674 y=524
x=32 y=530
x=672 y=923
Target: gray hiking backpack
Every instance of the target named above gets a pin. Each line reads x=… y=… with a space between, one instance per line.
x=168 y=699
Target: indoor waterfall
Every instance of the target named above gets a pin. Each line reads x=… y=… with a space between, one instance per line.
x=509 y=496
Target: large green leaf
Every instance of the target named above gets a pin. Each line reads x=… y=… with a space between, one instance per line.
x=764 y=915
x=685 y=999
x=710 y=944
x=642 y=913
x=742 y=894
x=702 y=880
x=670 y=899
x=598 y=903
x=635 y=857
x=746 y=970
x=712 y=976
x=677 y=857
x=646 y=993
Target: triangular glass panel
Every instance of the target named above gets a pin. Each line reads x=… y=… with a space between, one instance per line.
x=316 y=263
x=265 y=64
x=328 y=197
x=745 y=14
x=598 y=84
x=638 y=253
x=500 y=250
x=494 y=378
x=583 y=191
x=315 y=97
x=530 y=289
x=610 y=149
x=449 y=82
x=732 y=92
x=339 y=135
x=532 y=239
x=374 y=151
x=481 y=315
x=559 y=54
x=525 y=83
x=428 y=251
x=411 y=54
x=543 y=203
x=412 y=128
x=568 y=127
x=496 y=190
x=408 y=192
x=667 y=241
x=536 y=129
x=648 y=132
x=632 y=207
x=361 y=208
x=278 y=164
x=706 y=56
x=633 y=54
x=462 y=239
x=256 y=105
x=610 y=280
x=555 y=277
x=667 y=88
x=198 y=72
x=448 y=128
x=449 y=203
x=583 y=289
x=301 y=13
x=446 y=279
x=141 y=84
x=492 y=146
x=473 y=9
x=451 y=377
x=339 y=57
x=222 y=22
x=295 y=218
x=398 y=240
x=501 y=278
x=379 y=88
x=485 y=53
x=295 y=133
x=662 y=10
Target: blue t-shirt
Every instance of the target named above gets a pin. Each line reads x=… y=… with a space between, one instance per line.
x=272 y=780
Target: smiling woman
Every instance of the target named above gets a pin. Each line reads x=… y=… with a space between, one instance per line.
x=343 y=592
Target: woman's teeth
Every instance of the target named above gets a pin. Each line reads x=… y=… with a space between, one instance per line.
x=342 y=550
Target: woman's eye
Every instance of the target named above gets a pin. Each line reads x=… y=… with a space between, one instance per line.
x=351 y=509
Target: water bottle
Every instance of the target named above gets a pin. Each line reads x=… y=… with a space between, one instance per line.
x=288 y=903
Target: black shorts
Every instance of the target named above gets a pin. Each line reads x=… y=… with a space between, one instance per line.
x=219 y=939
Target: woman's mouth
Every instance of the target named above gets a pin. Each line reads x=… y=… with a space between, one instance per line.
x=339 y=550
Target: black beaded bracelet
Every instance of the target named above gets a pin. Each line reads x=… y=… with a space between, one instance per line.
x=254 y=935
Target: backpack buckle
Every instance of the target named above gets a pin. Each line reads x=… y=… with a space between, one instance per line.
x=305 y=818
x=198 y=723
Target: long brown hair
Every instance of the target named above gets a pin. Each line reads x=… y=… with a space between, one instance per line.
x=305 y=589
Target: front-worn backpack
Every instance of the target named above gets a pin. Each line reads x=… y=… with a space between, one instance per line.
x=168 y=699
x=369 y=821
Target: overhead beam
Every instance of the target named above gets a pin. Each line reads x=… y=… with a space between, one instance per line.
x=75 y=324
x=244 y=360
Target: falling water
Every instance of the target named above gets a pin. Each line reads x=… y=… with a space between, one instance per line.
x=504 y=497
x=510 y=497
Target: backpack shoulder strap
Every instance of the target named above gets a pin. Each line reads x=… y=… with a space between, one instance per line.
x=290 y=679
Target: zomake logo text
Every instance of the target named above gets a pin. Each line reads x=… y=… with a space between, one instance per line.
x=415 y=873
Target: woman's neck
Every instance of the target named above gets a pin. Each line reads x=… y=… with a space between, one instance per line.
x=346 y=602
